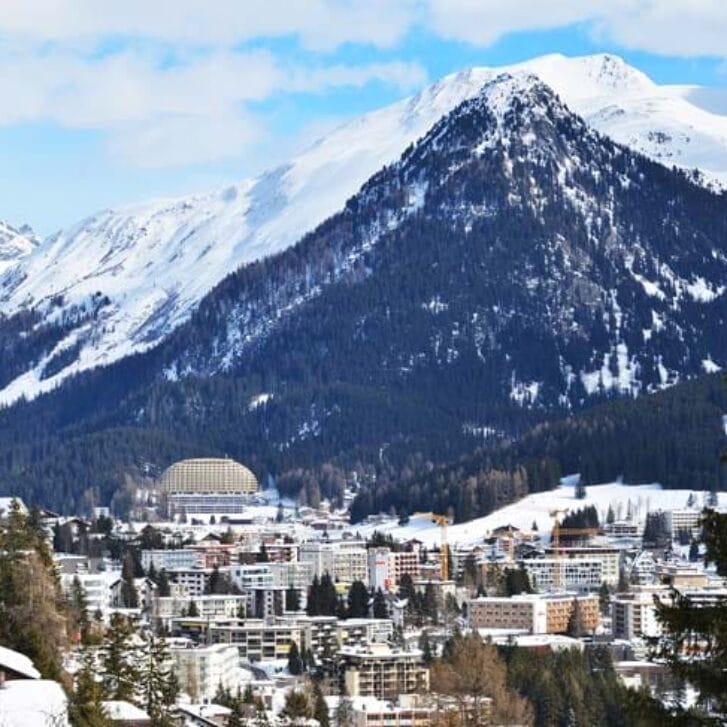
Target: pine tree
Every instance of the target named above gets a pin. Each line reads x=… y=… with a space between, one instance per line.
x=159 y=685
x=192 y=610
x=320 y=708
x=381 y=610
x=85 y=703
x=129 y=594
x=163 y=588
x=358 y=601
x=295 y=665
x=687 y=624
x=610 y=517
x=119 y=660
x=580 y=489
x=292 y=599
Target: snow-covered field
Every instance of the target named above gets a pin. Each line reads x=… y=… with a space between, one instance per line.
x=537 y=508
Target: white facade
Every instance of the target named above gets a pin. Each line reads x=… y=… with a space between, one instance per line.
x=552 y=574
x=169 y=559
x=343 y=561
x=201 y=669
x=686 y=519
x=247 y=577
x=378 y=559
x=610 y=559
x=633 y=614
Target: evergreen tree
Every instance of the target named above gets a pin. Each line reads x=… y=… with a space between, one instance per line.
x=610 y=517
x=85 y=703
x=575 y=620
x=163 y=588
x=381 y=610
x=295 y=665
x=296 y=705
x=192 y=610
x=688 y=625
x=119 y=660
x=158 y=681
x=580 y=489
x=426 y=647
x=292 y=599
x=320 y=708
x=129 y=594
x=358 y=601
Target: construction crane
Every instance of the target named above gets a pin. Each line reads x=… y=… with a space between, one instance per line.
x=442 y=521
x=555 y=540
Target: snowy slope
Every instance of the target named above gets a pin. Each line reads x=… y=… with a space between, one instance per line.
x=15 y=245
x=537 y=507
x=142 y=269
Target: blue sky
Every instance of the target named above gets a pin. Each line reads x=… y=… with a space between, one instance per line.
x=107 y=102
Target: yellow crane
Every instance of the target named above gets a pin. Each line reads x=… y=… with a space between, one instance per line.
x=442 y=521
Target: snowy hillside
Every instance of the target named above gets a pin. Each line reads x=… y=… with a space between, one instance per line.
x=15 y=245
x=122 y=279
x=537 y=507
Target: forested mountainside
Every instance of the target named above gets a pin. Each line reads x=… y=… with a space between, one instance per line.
x=513 y=266
x=121 y=280
x=674 y=437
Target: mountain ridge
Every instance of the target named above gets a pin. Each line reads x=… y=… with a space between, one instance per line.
x=145 y=268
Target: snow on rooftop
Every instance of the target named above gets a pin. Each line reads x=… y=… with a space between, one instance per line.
x=120 y=710
x=17 y=662
x=33 y=703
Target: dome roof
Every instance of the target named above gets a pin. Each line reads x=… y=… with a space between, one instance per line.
x=207 y=475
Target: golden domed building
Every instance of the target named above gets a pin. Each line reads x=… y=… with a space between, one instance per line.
x=207 y=486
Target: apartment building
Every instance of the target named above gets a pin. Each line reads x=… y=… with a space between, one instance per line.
x=291 y=574
x=258 y=639
x=610 y=559
x=202 y=669
x=166 y=608
x=172 y=559
x=684 y=520
x=633 y=614
x=535 y=613
x=419 y=710
x=570 y=574
x=194 y=581
x=403 y=562
x=378 y=565
x=257 y=575
x=344 y=561
x=379 y=671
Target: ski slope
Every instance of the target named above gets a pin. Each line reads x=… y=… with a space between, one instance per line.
x=537 y=507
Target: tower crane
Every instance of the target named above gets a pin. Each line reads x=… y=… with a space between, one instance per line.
x=442 y=521
x=555 y=540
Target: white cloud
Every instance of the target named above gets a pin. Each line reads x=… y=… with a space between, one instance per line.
x=148 y=108
x=319 y=24
x=666 y=27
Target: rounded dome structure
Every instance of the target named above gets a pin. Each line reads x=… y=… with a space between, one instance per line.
x=207 y=476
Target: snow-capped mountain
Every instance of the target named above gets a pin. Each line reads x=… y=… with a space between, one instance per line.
x=120 y=281
x=15 y=245
x=510 y=266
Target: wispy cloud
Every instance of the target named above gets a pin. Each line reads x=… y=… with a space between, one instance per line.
x=173 y=82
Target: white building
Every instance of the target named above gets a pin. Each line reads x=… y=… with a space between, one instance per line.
x=344 y=561
x=570 y=574
x=378 y=563
x=633 y=614
x=201 y=669
x=172 y=559
x=610 y=559
x=684 y=519
x=97 y=587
